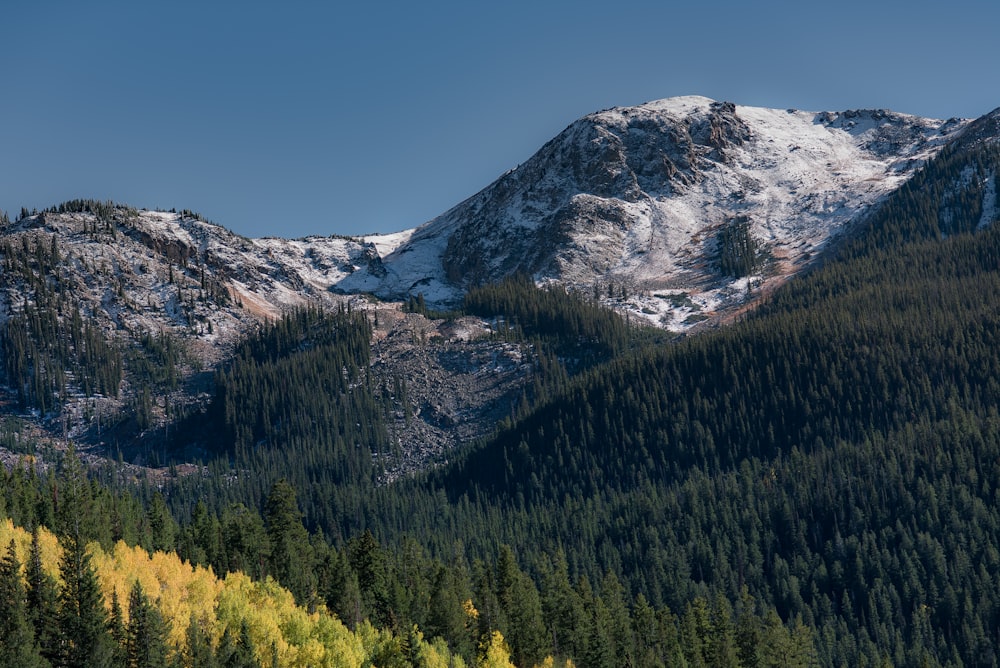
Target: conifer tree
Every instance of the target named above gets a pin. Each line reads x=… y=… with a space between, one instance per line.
x=562 y=607
x=83 y=620
x=198 y=646
x=146 y=632
x=747 y=633
x=226 y=649
x=291 y=554
x=74 y=511
x=694 y=631
x=17 y=638
x=42 y=596
x=721 y=648
x=447 y=617
x=368 y=562
x=119 y=633
x=242 y=655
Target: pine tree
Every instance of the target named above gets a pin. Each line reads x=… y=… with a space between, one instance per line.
x=291 y=554
x=242 y=654
x=17 y=638
x=226 y=648
x=146 y=633
x=694 y=631
x=645 y=631
x=42 y=602
x=82 y=617
x=162 y=526
x=119 y=634
x=198 y=646
x=721 y=648
x=447 y=617
x=74 y=512
x=748 y=632
x=563 y=608
x=368 y=562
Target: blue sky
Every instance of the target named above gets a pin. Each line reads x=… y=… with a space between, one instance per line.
x=298 y=118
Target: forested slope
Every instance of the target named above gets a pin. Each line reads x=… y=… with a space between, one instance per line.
x=815 y=483
x=836 y=452
x=833 y=455
x=116 y=594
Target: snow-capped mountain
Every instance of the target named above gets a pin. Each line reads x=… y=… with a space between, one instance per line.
x=633 y=197
x=148 y=281
x=627 y=203
x=143 y=271
x=637 y=205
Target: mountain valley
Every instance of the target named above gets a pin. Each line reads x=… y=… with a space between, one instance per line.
x=693 y=382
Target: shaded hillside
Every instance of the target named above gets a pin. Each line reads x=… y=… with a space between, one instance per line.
x=642 y=197
x=835 y=451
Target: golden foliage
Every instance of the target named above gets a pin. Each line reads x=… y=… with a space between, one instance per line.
x=47 y=543
x=470 y=610
x=183 y=592
x=550 y=662
x=493 y=652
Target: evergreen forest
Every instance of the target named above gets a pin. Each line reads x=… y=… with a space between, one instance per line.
x=815 y=484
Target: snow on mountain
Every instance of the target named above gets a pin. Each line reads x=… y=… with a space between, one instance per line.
x=628 y=201
x=633 y=204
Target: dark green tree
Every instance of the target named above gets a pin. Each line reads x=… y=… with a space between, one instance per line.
x=83 y=620
x=118 y=630
x=197 y=651
x=447 y=617
x=146 y=632
x=18 y=646
x=367 y=561
x=42 y=598
x=748 y=632
x=75 y=505
x=241 y=654
x=291 y=560
x=163 y=528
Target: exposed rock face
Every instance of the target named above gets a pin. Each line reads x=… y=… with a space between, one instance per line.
x=141 y=273
x=983 y=129
x=576 y=184
x=634 y=195
x=629 y=203
x=458 y=384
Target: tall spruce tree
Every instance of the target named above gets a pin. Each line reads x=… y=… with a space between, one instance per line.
x=18 y=646
x=198 y=646
x=42 y=597
x=119 y=634
x=291 y=554
x=83 y=620
x=146 y=635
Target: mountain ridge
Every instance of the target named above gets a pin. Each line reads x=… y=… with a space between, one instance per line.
x=832 y=456
x=634 y=196
x=635 y=207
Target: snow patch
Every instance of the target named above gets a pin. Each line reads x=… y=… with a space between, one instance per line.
x=989 y=202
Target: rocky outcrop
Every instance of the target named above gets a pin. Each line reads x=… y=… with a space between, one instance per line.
x=633 y=192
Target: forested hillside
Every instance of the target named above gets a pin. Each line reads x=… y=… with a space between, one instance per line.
x=117 y=594
x=835 y=453
x=815 y=483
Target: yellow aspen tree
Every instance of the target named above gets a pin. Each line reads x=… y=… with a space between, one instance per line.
x=493 y=652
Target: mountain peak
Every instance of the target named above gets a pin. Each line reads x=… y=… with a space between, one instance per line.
x=632 y=201
x=637 y=196
x=682 y=105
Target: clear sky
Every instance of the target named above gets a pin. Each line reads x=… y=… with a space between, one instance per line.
x=307 y=117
